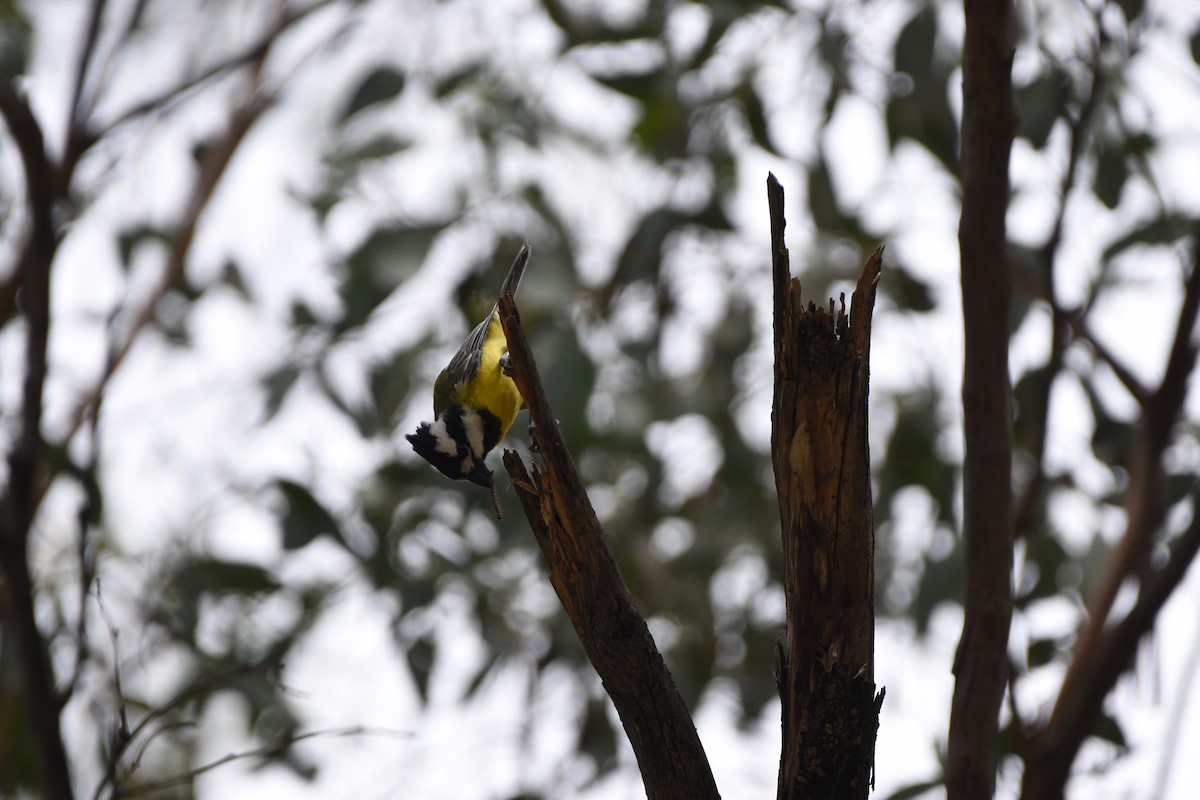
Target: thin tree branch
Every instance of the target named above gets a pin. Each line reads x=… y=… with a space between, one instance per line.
x=585 y=576
x=1089 y=671
x=266 y=751
x=1143 y=504
x=252 y=54
x=1131 y=382
x=216 y=159
x=80 y=108
x=1053 y=748
x=980 y=664
x=1059 y=319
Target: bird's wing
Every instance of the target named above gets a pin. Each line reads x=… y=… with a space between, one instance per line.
x=463 y=368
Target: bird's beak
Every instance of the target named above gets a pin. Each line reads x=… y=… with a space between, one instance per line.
x=480 y=475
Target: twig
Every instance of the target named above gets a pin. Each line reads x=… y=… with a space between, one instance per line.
x=258 y=752
x=1053 y=748
x=1131 y=382
x=216 y=159
x=255 y=52
x=1080 y=128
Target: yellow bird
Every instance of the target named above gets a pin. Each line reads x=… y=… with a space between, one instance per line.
x=474 y=398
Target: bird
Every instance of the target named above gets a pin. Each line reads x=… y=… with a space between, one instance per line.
x=475 y=400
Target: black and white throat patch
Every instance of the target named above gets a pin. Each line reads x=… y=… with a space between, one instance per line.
x=457 y=442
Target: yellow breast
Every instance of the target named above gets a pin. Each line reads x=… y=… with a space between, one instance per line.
x=492 y=389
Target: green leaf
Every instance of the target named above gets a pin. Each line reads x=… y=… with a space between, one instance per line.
x=914 y=46
x=377 y=267
x=420 y=656
x=1108 y=729
x=1132 y=8
x=455 y=79
x=596 y=736
x=302 y=315
x=1111 y=172
x=923 y=115
x=1040 y=103
x=1041 y=652
x=912 y=456
x=389 y=386
x=1163 y=229
x=822 y=201
x=277 y=385
x=940 y=583
x=756 y=116
x=381 y=85
x=231 y=276
x=908 y=291
x=381 y=146
x=16 y=35
x=305 y=518
x=215 y=576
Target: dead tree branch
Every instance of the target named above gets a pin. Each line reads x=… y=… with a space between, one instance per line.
x=825 y=669
x=589 y=585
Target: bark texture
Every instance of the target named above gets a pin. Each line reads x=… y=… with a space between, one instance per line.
x=825 y=668
x=980 y=665
x=584 y=574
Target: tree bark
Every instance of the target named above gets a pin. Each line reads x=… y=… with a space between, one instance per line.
x=18 y=507
x=819 y=446
x=980 y=665
x=585 y=576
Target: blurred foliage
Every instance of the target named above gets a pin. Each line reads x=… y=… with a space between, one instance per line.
x=700 y=554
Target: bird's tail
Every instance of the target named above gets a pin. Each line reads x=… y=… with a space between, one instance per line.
x=513 y=280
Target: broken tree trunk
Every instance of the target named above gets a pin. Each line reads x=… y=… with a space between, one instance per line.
x=825 y=668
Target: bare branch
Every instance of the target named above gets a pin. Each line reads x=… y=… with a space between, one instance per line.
x=1080 y=132
x=253 y=53
x=584 y=574
x=1131 y=382
x=266 y=751
x=80 y=108
x=1053 y=749
x=216 y=159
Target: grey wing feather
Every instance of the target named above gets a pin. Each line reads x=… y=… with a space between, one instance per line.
x=465 y=365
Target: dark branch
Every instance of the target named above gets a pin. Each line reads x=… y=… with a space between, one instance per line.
x=825 y=667
x=19 y=504
x=1090 y=675
x=1053 y=748
x=584 y=574
x=980 y=665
